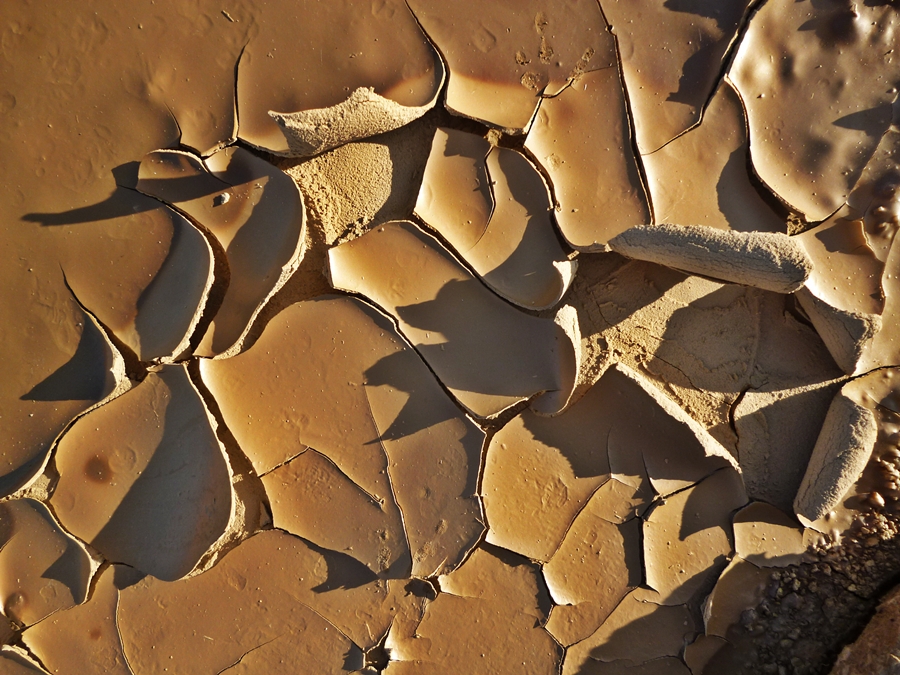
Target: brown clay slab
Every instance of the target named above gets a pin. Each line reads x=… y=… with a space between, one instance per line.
x=315 y=56
x=623 y=497
x=144 y=479
x=581 y=138
x=875 y=200
x=488 y=354
x=85 y=638
x=332 y=374
x=502 y=56
x=492 y=206
x=596 y=565
x=671 y=57
x=844 y=298
x=74 y=118
x=67 y=366
x=306 y=493
x=740 y=587
x=256 y=215
x=540 y=472
x=688 y=537
x=260 y=596
x=700 y=178
x=767 y=536
x=811 y=136
x=487 y=619
x=42 y=569
x=638 y=630
x=157 y=315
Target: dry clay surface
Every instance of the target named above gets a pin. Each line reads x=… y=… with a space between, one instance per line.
x=551 y=338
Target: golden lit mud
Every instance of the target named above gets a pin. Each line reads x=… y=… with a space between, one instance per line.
x=437 y=337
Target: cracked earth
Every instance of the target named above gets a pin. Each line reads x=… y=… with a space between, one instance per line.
x=428 y=337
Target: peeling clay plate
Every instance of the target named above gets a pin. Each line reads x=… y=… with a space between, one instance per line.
x=414 y=338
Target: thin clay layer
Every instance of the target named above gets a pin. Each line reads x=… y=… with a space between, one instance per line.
x=811 y=136
x=332 y=374
x=581 y=138
x=309 y=75
x=702 y=177
x=671 y=57
x=42 y=569
x=503 y=56
x=255 y=214
x=487 y=353
x=494 y=209
x=144 y=479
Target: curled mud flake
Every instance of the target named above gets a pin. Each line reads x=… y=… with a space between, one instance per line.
x=309 y=491
x=868 y=479
x=271 y=594
x=810 y=136
x=456 y=197
x=363 y=114
x=503 y=56
x=638 y=630
x=766 y=260
x=489 y=355
x=671 y=58
x=581 y=139
x=701 y=177
x=306 y=61
x=488 y=615
x=144 y=479
x=767 y=536
x=260 y=228
x=494 y=209
x=85 y=638
x=596 y=565
x=42 y=569
x=688 y=537
x=334 y=375
x=841 y=452
x=739 y=590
